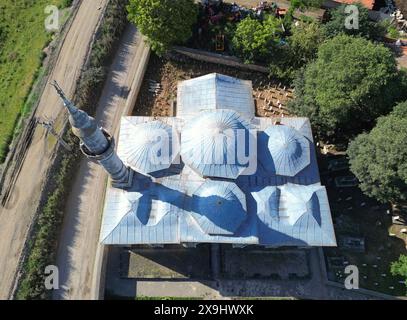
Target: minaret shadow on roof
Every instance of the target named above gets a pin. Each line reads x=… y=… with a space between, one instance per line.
x=96 y=143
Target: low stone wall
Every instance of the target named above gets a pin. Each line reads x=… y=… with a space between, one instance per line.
x=139 y=72
x=211 y=57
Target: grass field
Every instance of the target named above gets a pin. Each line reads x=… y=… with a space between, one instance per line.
x=22 y=39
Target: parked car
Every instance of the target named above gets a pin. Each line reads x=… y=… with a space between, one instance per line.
x=346 y=181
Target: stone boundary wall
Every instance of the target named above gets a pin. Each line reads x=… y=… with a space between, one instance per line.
x=217 y=58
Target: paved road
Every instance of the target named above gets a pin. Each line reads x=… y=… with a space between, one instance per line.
x=17 y=217
x=80 y=235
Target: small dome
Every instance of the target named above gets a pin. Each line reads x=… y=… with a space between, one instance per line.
x=284 y=151
x=212 y=142
x=219 y=207
x=151 y=147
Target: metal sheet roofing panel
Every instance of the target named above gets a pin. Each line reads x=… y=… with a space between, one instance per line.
x=215 y=91
x=150 y=147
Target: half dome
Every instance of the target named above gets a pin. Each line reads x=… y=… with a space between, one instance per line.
x=284 y=151
x=297 y=201
x=219 y=207
x=216 y=144
x=151 y=147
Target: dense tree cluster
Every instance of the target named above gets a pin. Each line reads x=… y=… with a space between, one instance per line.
x=304 y=4
x=365 y=27
x=164 y=22
x=255 y=39
x=350 y=84
x=379 y=158
x=301 y=48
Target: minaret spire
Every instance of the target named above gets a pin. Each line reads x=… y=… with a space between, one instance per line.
x=96 y=143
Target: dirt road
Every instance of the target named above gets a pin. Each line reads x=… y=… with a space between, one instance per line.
x=16 y=218
x=80 y=233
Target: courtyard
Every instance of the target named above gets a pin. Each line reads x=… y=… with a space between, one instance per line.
x=158 y=92
x=377 y=240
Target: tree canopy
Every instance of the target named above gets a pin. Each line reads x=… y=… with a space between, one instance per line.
x=379 y=159
x=302 y=47
x=303 y=4
x=366 y=28
x=399 y=268
x=255 y=39
x=350 y=84
x=164 y=22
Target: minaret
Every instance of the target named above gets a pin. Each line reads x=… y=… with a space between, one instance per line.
x=97 y=144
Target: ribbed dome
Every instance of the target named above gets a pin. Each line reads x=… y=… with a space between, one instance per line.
x=288 y=151
x=211 y=142
x=151 y=147
x=219 y=207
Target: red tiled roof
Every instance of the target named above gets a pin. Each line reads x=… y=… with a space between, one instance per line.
x=367 y=3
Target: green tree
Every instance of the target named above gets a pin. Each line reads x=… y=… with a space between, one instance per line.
x=367 y=28
x=379 y=159
x=350 y=84
x=164 y=22
x=302 y=47
x=299 y=5
x=399 y=268
x=304 y=4
x=255 y=39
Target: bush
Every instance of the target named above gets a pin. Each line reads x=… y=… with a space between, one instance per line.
x=164 y=22
x=255 y=39
x=393 y=32
x=399 y=268
x=301 y=48
x=66 y=3
x=367 y=28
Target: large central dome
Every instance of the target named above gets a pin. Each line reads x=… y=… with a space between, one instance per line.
x=216 y=144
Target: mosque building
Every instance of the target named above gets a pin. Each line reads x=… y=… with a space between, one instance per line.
x=213 y=173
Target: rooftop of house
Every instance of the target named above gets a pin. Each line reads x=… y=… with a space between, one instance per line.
x=215 y=173
x=367 y=3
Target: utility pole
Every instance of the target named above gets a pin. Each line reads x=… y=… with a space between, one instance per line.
x=49 y=126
